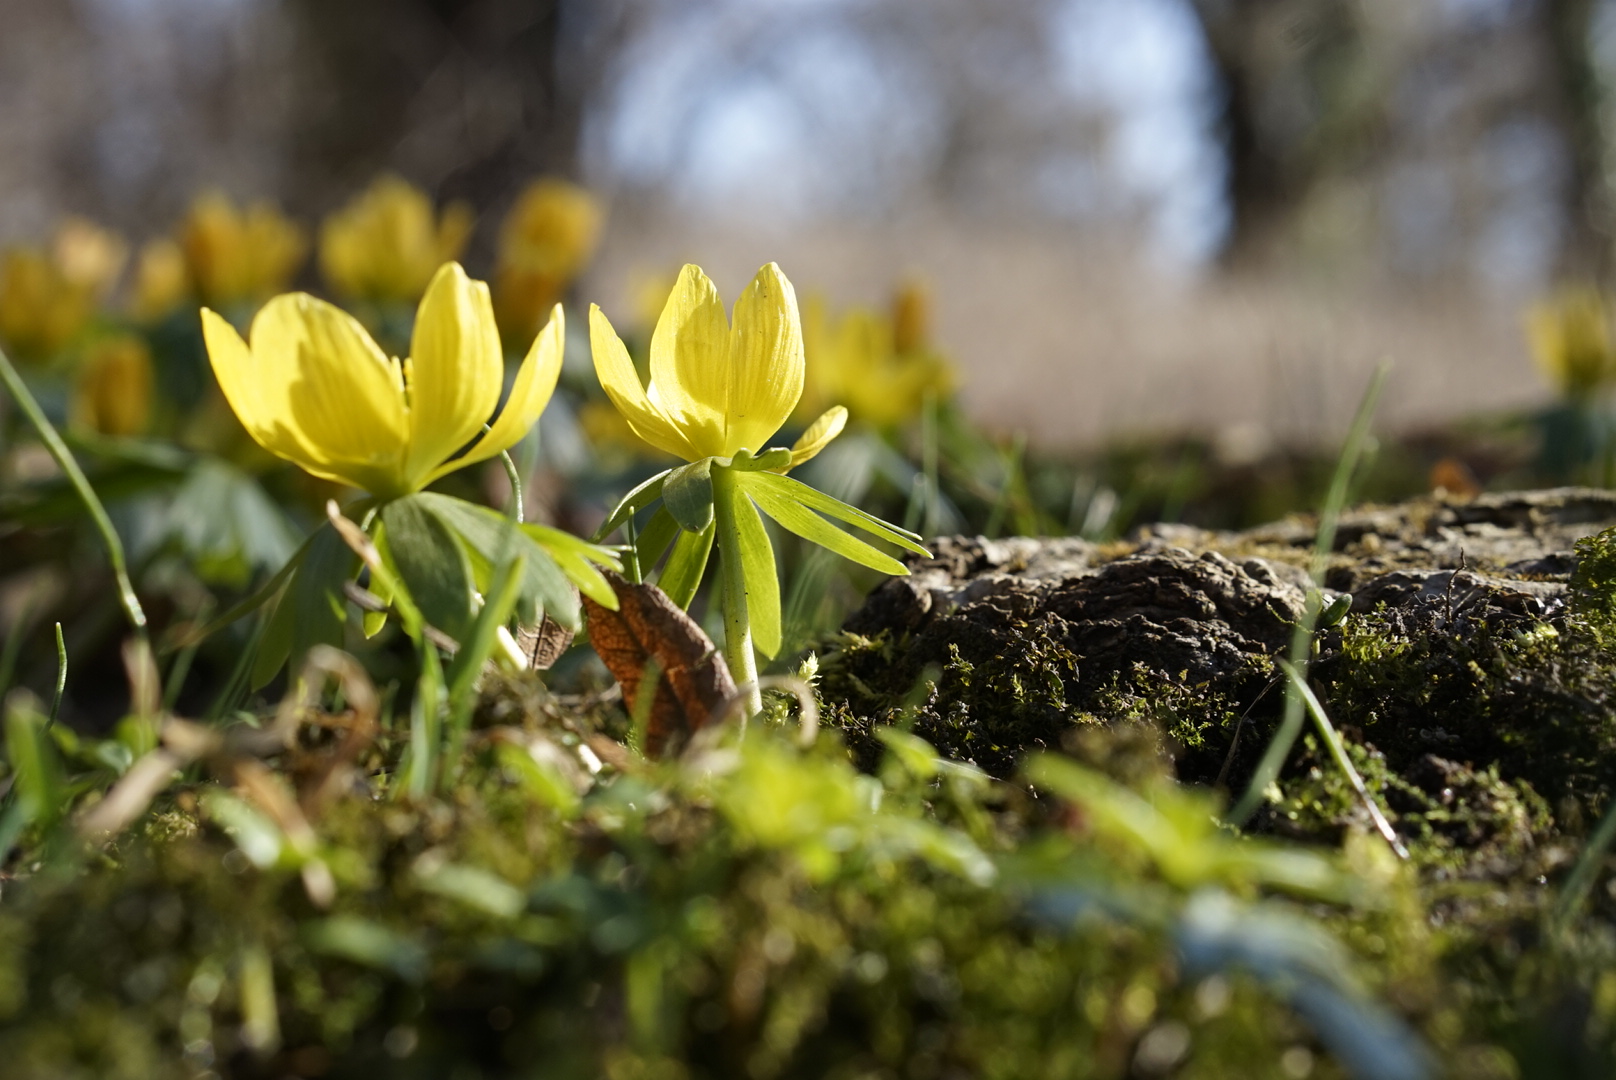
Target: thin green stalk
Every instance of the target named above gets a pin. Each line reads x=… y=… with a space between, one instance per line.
x=1301 y=649
x=61 y=679
x=1338 y=751
x=70 y=466
x=738 y=651
x=515 y=478
x=631 y=553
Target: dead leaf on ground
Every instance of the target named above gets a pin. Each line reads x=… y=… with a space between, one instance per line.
x=694 y=683
x=543 y=644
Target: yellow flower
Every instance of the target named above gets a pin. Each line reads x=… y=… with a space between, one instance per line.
x=237 y=256
x=47 y=298
x=1570 y=337
x=544 y=242
x=41 y=311
x=88 y=256
x=857 y=360
x=386 y=245
x=161 y=281
x=114 y=391
x=314 y=388
x=715 y=388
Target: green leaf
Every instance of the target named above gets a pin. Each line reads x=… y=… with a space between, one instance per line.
x=777 y=458
x=312 y=610
x=757 y=568
x=474 y=652
x=381 y=586
x=40 y=785
x=420 y=762
x=796 y=491
x=265 y=593
x=797 y=518
x=654 y=540
x=478 y=645
x=431 y=564
x=631 y=504
x=688 y=494
x=367 y=943
x=493 y=540
x=578 y=560
x=681 y=577
x=258 y=837
x=275 y=646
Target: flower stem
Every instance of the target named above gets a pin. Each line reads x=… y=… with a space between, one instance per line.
x=738 y=652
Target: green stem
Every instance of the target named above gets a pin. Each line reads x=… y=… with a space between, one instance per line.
x=1290 y=725
x=738 y=650
x=515 y=478
x=98 y=513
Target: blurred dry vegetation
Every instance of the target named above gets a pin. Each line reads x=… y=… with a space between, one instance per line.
x=1136 y=214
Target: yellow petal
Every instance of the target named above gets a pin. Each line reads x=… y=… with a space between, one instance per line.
x=455 y=371
x=818 y=435
x=340 y=395
x=622 y=384
x=260 y=404
x=530 y=393
x=765 y=357
x=690 y=363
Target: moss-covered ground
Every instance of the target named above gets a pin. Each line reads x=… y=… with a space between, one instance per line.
x=1003 y=869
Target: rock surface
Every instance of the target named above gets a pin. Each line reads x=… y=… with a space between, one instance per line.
x=1179 y=625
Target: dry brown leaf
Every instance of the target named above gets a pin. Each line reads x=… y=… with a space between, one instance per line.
x=543 y=644
x=693 y=682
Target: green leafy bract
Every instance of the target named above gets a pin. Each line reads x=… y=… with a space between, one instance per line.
x=311 y=610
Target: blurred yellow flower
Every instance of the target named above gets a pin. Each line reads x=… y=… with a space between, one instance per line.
x=113 y=394
x=545 y=241
x=236 y=256
x=315 y=389
x=1570 y=337
x=715 y=388
x=880 y=368
x=88 y=256
x=387 y=243
x=47 y=298
x=40 y=310
x=162 y=282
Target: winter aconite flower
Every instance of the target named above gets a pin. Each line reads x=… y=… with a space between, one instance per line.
x=162 y=282
x=1570 y=337
x=882 y=368
x=237 y=256
x=315 y=389
x=48 y=297
x=715 y=388
x=386 y=244
x=544 y=243
x=719 y=391
x=113 y=393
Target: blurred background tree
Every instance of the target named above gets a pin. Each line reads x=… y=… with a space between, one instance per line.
x=1306 y=185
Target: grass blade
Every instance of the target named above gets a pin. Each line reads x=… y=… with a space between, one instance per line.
x=70 y=466
x=1301 y=648
x=61 y=679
